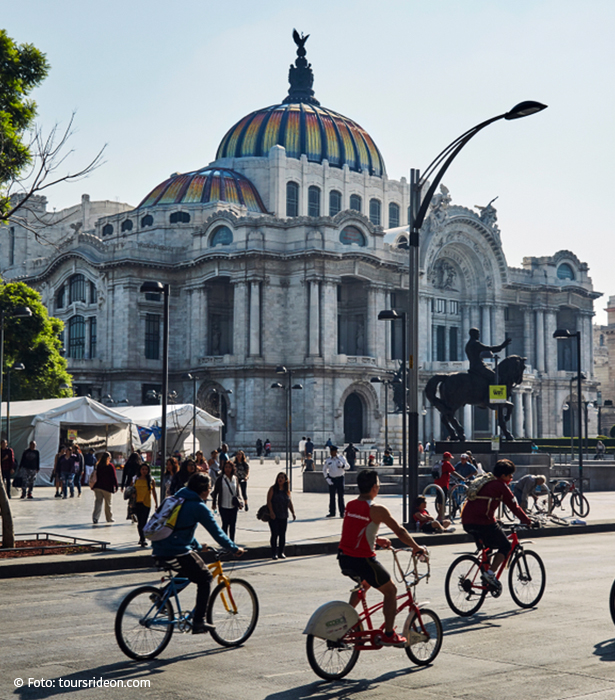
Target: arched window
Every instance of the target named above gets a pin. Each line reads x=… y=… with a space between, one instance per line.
x=76 y=337
x=179 y=217
x=107 y=230
x=350 y=235
x=356 y=203
x=314 y=201
x=402 y=243
x=126 y=225
x=565 y=272
x=221 y=236
x=76 y=286
x=375 y=208
x=292 y=199
x=335 y=202
x=147 y=220
x=393 y=215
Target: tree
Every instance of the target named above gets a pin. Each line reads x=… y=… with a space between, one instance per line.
x=30 y=160
x=35 y=342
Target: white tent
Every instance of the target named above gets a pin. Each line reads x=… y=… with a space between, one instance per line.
x=179 y=427
x=42 y=421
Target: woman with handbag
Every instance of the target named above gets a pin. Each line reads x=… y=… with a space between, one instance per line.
x=145 y=488
x=279 y=503
x=226 y=496
x=104 y=487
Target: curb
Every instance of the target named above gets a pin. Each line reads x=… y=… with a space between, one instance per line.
x=61 y=565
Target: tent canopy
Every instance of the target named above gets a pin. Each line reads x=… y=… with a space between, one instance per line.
x=42 y=420
x=179 y=426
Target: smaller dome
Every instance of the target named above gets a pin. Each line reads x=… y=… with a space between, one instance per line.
x=206 y=186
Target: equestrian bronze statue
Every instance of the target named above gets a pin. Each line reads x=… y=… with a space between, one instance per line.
x=449 y=392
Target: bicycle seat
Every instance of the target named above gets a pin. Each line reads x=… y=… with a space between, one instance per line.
x=351 y=574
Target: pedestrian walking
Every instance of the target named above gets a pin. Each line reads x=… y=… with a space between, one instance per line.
x=259 y=447
x=279 y=502
x=267 y=447
x=351 y=453
x=226 y=497
x=171 y=469
x=145 y=489
x=90 y=462
x=104 y=488
x=201 y=463
x=8 y=463
x=301 y=447
x=78 y=468
x=242 y=469
x=309 y=447
x=29 y=465
x=214 y=466
x=187 y=469
x=333 y=470
x=131 y=469
x=66 y=467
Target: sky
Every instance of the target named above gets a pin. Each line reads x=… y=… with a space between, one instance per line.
x=160 y=83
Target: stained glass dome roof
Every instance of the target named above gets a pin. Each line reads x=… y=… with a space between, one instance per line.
x=302 y=128
x=206 y=185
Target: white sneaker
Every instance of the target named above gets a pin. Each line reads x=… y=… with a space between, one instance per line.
x=492 y=580
x=452 y=529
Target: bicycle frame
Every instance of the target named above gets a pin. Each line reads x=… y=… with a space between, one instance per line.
x=484 y=555
x=366 y=639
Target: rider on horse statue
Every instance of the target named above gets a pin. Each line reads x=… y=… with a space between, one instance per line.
x=474 y=350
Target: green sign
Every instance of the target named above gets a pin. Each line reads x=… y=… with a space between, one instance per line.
x=497 y=393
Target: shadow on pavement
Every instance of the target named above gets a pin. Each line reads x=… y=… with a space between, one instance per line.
x=605 y=650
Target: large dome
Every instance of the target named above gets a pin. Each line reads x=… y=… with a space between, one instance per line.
x=205 y=186
x=304 y=128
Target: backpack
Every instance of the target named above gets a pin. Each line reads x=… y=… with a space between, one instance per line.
x=162 y=524
x=436 y=470
x=477 y=484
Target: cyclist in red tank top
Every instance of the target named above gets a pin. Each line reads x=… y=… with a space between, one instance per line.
x=357 y=555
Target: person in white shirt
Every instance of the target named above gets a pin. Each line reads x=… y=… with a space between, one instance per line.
x=333 y=470
x=302 y=448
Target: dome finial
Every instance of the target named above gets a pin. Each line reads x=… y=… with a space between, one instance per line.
x=300 y=75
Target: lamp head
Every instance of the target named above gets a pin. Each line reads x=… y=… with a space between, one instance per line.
x=152 y=287
x=524 y=109
x=297 y=386
x=18 y=367
x=388 y=315
x=376 y=380
x=563 y=333
x=277 y=385
x=280 y=369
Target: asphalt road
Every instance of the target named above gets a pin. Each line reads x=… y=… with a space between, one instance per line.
x=61 y=628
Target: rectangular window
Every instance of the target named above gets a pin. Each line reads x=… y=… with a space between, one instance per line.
x=440 y=344
x=12 y=246
x=393 y=215
x=440 y=306
x=453 y=307
x=567 y=354
x=93 y=294
x=453 y=340
x=375 y=208
x=292 y=199
x=76 y=337
x=335 y=202
x=93 y=324
x=313 y=201
x=152 y=336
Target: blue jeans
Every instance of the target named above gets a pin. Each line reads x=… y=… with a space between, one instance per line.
x=68 y=480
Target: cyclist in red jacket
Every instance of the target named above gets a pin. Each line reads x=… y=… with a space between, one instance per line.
x=478 y=517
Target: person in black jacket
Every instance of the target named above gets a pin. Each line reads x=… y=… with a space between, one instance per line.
x=30 y=465
x=132 y=468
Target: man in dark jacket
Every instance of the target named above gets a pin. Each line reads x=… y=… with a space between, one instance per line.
x=30 y=465
x=183 y=546
x=7 y=458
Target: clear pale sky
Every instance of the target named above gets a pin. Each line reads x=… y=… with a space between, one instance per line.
x=160 y=83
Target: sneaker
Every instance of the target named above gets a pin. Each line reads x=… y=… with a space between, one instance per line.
x=30 y=495
x=330 y=515
x=95 y=522
x=58 y=495
x=392 y=640
x=275 y=556
x=111 y=521
x=72 y=495
x=492 y=580
x=282 y=556
x=247 y=509
x=202 y=627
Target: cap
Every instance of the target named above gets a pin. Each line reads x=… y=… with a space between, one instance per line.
x=447 y=455
x=464 y=456
x=332 y=447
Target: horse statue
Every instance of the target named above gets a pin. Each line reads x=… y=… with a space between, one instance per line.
x=449 y=392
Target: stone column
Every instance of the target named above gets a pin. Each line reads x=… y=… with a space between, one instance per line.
x=466 y=324
x=240 y=320
x=425 y=354
x=485 y=333
x=474 y=319
x=529 y=414
x=329 y=319
x=540 y=341
x=518 y=413
x=255 y=318
x=499 y=328
x=314 y=319
x=528 y=347
x=428 y=423
x=203 y=337
x=374 y=306
x=468 y=427
x=550 y=341
x=436 y=424
x=586 y=344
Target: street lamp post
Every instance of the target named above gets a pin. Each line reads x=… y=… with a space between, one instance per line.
x=418 y=210
x=563 y=334
x=386 y=383
x=17 y=367
x=288 y=402
x=193 y=378
x=18 y=312
x=165 y=290
x=587 y=405
x=393 y=315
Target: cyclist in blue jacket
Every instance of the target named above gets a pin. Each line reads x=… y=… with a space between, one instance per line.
x=183 y=546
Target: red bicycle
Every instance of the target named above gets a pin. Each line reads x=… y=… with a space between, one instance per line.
x=466 y=588
x=336 y=633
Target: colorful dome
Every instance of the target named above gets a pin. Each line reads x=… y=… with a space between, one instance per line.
x=304 y=128
x=206 y=186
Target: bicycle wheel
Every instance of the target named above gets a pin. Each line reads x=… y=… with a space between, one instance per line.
x=424 y=641
x=331 y=660
x=612 y=602
x=464 y=589
x=580 y=504
x=455 y=499
x=142 y=628
x=233 y=609
x=527 y=579
x=506 y=513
